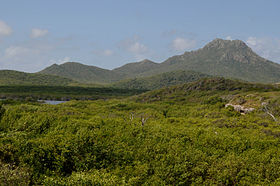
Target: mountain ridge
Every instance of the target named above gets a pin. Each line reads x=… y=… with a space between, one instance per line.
x=226 y=58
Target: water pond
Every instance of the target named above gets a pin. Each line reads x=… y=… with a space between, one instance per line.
x=51 y=102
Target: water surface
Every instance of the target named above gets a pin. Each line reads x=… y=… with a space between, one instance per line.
x=51 y=102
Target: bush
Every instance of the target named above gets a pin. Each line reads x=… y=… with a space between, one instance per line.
x=13 y=175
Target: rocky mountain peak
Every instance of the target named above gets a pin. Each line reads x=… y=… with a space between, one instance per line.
x=221 y=44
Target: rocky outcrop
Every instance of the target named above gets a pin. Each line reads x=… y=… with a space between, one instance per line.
x=240 y=108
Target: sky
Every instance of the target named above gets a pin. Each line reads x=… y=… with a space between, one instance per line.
x=110 y=33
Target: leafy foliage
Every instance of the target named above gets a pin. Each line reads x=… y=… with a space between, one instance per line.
x=216 y=85
x=180 y=135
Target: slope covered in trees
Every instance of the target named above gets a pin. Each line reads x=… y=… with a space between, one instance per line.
x=161 y=80
x=82 y=73
x=11 y=77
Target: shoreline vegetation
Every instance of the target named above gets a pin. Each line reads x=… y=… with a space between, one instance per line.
x=63 y=93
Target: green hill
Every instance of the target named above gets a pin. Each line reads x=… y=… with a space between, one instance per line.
x=213 y=85
x=131 y=69
x=82 y=73
x=11 y=77
x=161 y=80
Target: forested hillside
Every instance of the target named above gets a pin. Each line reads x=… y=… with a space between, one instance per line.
x=161 y=80
x=82 y=73
x=11 y=77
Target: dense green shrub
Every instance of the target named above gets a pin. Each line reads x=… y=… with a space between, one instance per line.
x=176 y=141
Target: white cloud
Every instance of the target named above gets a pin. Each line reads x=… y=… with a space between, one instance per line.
x=268 y=48
x=29 y=56
x=229 y=38
x=60 y=61
x=182 y=44
x=36 y=32
x=252 y=41
x=135 y=47
x=32 y=55
x=139 y=50
x=5 y=29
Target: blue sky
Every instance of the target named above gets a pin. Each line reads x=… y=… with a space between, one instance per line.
x=109 y=33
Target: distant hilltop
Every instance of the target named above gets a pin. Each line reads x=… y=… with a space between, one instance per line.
x=226 y=58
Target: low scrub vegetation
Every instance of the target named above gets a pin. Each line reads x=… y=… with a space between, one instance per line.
x=169 y=136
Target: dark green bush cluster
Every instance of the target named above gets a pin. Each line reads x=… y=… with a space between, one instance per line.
x=34 y=93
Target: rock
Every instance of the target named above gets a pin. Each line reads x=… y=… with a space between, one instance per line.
x=240 y=108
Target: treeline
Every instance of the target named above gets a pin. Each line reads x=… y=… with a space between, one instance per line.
x=63 y=92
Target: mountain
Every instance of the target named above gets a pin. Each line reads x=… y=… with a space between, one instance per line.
x=131 y=69
x=82 y=73
x=231 y=59
x=161 y=80
x=11 y=77
x=226 y=58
